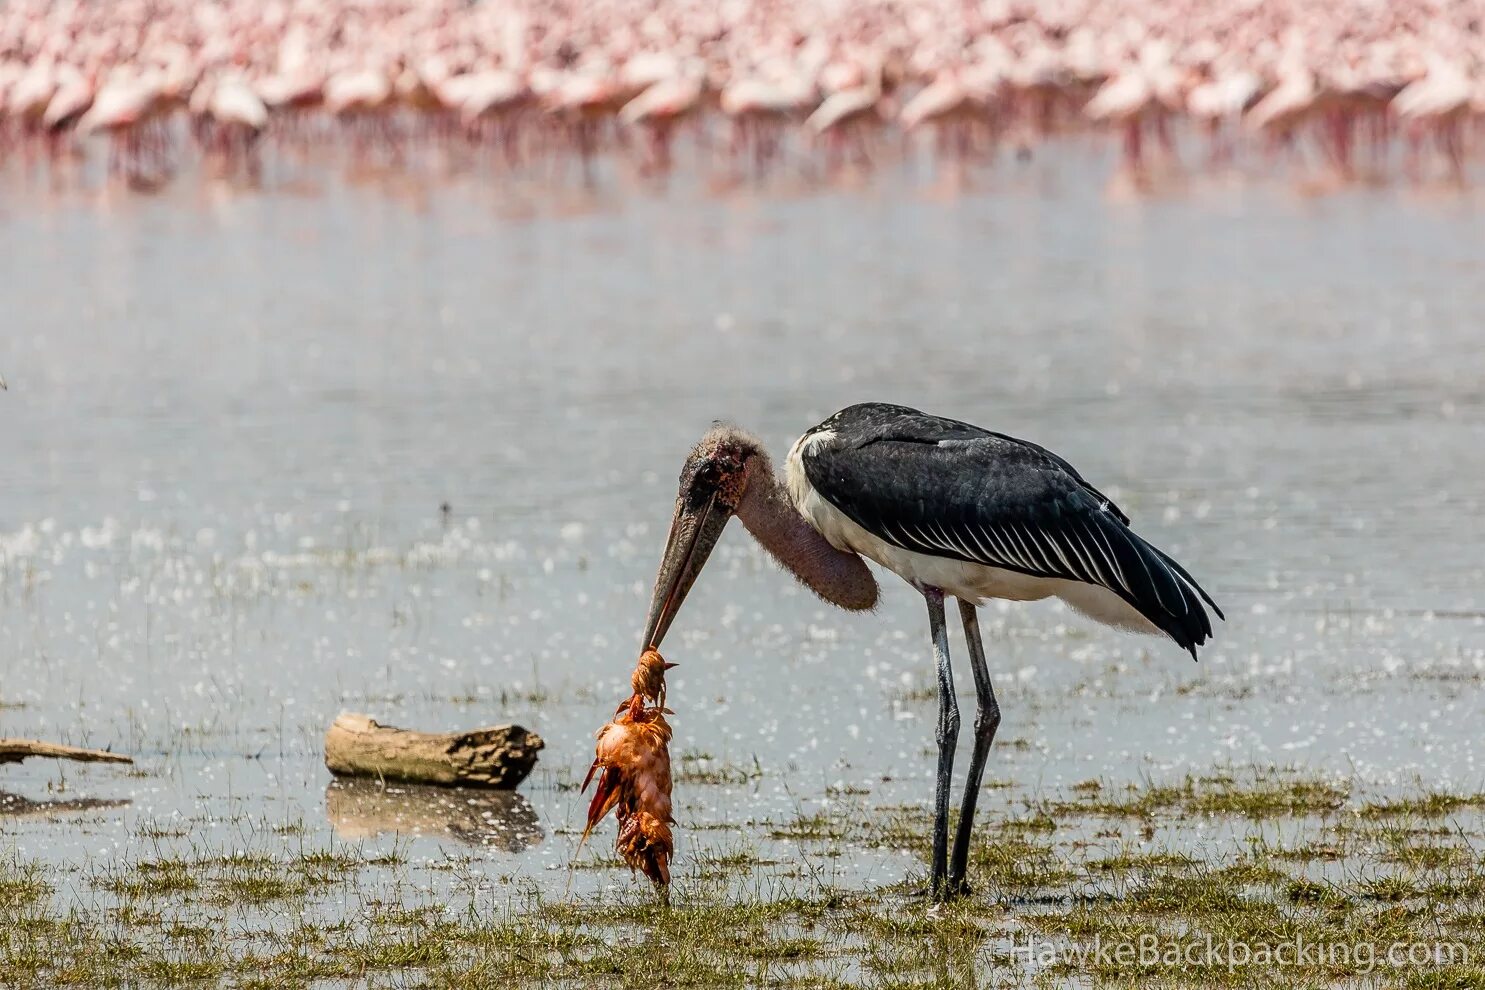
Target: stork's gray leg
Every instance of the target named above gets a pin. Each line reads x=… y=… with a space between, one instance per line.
x=987 y=720
x=948 y=736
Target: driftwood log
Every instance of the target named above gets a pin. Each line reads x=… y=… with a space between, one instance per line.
x=16 y=750
x=499 y=756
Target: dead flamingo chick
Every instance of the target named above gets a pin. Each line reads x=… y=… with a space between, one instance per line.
x=633 y=767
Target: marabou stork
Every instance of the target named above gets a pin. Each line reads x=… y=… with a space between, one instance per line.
x=953 y=510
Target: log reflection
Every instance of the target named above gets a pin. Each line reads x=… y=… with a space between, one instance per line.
x=360 y=809
x=16 y=806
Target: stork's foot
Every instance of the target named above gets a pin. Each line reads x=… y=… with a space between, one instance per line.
x=958 y=887
x=940 y=894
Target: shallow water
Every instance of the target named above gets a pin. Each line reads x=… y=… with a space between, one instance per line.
x=234 y=420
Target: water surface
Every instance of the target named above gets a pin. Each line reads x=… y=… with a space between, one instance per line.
x=235 y=422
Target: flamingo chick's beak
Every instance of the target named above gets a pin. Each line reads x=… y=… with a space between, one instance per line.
x=700 y=517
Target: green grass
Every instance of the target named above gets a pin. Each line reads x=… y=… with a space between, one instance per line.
x=1433 y=804
x=1251 y=794
x=1186 y=863
x=1133 y=861
x=701 y=768
x=22 y=884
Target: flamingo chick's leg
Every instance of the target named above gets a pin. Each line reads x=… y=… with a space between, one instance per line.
x=948 y=736
x=987 y=720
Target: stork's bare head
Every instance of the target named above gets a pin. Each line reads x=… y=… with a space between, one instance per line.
x=713 y=481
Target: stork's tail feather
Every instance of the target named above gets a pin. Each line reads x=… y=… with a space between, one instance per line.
x=1162 y=590
x=1190 y=581
x=1187 y=622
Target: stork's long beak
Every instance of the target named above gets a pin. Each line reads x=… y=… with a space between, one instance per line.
x=694 y=531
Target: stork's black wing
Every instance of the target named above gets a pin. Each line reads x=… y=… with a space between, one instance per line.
x=948 y=489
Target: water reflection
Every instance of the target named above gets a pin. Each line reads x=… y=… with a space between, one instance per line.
x=16 y=806
x=359 y=809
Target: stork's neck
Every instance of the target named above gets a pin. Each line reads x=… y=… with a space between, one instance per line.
x=766 y=510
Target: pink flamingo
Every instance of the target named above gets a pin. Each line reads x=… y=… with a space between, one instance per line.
x=236 y=117
x=1218 y=103
x=849 y=114
x=491 y=104
x=658 y=110
x=1294 y=101
x=67 y=105
x=122 y=111
x=759 y=107
x=1126 y=100
x=1440 y=102
x=362 y=99
x=586 y=101
x=953 y=107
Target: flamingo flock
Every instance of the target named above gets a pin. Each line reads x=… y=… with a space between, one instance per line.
x=1349 y=90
